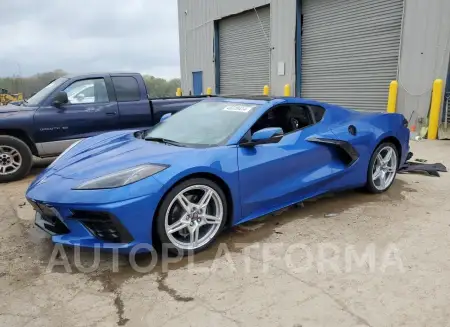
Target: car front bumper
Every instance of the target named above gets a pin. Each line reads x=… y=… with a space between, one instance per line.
x=109 y=219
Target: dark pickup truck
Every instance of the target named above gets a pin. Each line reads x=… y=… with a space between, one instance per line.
x=72 y=108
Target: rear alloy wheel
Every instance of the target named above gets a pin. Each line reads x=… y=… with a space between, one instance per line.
x=191 y=216
x=382 y=168
x=15 y=159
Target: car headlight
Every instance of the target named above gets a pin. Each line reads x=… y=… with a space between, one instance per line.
x=122 y=178
x=62 y=154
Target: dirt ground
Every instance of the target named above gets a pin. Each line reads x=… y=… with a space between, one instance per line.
x=348 y=259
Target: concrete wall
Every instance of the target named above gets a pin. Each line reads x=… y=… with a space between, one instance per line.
x=196 y=24
x=424 y=54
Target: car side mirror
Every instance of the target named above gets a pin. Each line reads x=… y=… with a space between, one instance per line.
x=265 y=136
x=164 y=117
x=60 y=99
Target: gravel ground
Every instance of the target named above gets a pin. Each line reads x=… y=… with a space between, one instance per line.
x=348 y=259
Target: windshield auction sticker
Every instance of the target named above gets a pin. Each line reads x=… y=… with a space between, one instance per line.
x=239 y=108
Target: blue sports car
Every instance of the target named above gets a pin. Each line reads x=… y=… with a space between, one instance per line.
x=218 y=163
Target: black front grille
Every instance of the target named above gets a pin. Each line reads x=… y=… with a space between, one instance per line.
x=55 y=225
x=46 y=210
x=51 y=221
x=102 y=225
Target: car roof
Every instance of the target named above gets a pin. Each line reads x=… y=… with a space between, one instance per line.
x=95 y=74
x=261 y=99
x=240 y=99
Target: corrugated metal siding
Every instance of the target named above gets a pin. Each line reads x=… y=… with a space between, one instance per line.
x=196 y=33
x=244 y=45
x=350 y=51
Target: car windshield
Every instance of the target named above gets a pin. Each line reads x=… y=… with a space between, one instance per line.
x=207 y=123
x=44 y=93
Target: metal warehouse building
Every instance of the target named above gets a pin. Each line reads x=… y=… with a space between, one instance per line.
x=340 y=51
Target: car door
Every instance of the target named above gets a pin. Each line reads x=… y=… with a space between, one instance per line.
x=134 y=105
x=272 y=176
x=91 y=110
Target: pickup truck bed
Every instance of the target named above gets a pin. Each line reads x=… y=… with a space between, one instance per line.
x=73 y=108
x=162 y=106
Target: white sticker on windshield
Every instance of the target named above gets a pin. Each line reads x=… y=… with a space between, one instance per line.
x=239 y=108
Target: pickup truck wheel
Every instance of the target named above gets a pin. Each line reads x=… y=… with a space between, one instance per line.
x=16 y=159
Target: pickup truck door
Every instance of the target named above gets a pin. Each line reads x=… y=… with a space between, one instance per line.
x=132 y=99
x=91 y=110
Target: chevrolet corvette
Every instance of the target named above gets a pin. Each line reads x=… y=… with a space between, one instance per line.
x=218 y=163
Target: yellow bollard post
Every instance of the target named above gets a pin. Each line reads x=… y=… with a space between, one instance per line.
x=208 y=91
x=392 y=97
x=179 y=93
x=436 y=100
x=266 y=90
x=287 y=90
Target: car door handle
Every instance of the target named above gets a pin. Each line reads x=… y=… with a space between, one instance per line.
x=112 y=113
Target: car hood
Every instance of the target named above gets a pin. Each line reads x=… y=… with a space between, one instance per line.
x=112 y=152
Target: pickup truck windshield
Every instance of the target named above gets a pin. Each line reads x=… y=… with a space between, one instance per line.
x=206 y=123
x=36 y=99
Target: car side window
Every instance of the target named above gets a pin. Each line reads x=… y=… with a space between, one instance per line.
x=87 y=91
x=275 y=117
x=318 y=113
x=299 y=117
x=289 y=117
x=127 y=88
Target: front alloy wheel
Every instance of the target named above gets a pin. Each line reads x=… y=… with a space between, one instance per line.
x=16 y=159
x=10 y=160
x=193 y=214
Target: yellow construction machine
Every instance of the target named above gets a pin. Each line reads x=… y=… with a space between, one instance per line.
x=6 y=98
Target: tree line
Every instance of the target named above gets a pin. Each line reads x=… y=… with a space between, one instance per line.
x=157 y=87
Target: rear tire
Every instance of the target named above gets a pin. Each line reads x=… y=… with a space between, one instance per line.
x=382 y=169
x=184 y=223
x=16 y=159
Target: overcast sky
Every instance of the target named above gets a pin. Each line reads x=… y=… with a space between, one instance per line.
x=89 y=36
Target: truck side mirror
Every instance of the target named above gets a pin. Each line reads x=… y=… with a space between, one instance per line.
x=60 y=99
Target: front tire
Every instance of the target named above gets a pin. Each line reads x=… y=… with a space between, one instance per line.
x=191 y=216
x=383 y=167
x=16 y=159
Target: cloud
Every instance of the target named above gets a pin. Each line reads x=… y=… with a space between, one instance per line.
x=89 y=36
